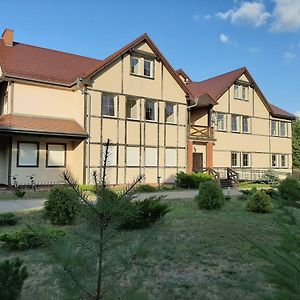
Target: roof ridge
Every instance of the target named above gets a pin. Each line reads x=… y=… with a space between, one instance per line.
x=214 y=77
x=54 y=50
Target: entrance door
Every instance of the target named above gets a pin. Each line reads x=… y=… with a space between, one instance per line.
x=197 y=162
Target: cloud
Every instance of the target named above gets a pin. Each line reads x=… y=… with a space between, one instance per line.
x=224 y=38
x=253 y=13
x=286 y=15
x=207 y=17
x=254 y=50
x=289 y=56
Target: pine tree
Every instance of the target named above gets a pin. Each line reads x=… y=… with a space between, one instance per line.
x=95 y=254
x=12 y=276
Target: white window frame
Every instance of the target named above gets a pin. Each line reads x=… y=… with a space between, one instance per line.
x=128 y=99
x=237 y=159
x=286 y=165
x=276 y=128
x=285 y=129
x=114 y=99
x=174 y=106
x=63 y=151
x=249 y=160
x=151 y=67
x=241 y=92
x=224 y=121
x=155 y=110
x=237 y=117
x=276 y=165
x=34 y=162
x=132 y=69
x=248 y=124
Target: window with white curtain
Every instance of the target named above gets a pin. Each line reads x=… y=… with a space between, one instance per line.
x=171 y=157
x=28 y=154
x=150 y=157
x=133 y=156
x=56 y=155
x=112 y=155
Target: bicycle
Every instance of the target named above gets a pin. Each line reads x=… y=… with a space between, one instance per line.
x=32 y=181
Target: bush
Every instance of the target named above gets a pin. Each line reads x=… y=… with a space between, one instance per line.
x=210 y=196
x=7 y=219
x=19 y=193
x=289 y=189
x=246 y=193
x=149 y=210
x=168 y=187
x=27 y=238
x=192 y=180
x=270 y=176
x=12 y=276
x=62 y=206
x=259 y=202
x=146 y=188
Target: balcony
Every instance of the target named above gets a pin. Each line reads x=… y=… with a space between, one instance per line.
x=201 y=133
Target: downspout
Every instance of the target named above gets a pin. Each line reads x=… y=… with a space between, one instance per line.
x=87 y=126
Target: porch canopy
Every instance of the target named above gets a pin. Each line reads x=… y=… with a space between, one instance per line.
x=41 y=126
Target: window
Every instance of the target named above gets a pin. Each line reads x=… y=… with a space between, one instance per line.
x=141 y=66
x=171 y=157
x=108 y=105
x=246 y=127
x=150 y=157
x=274 y=160
x=132 y=110
x=235 y=123
x=170 y=113
x=273 y=128
x=135 y=65
x=234 y=159
x=284 y=161
x=133 y=156
x=112 y=155
x=241 y=92
x=148 y=68
x=283 y=129
x=56 y=155
x=221 y=122
x=246 y=160
x=150 y=110
x=28 y=154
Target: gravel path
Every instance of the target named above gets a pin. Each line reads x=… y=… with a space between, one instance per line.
x=23 y=205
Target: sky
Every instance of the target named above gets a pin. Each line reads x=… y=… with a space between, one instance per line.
x=203 y=37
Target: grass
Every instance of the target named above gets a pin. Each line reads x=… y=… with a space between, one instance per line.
x=10 y=195
x=248 y=185
x=193 y=254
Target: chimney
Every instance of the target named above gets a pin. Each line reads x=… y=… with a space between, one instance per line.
x=8 y=37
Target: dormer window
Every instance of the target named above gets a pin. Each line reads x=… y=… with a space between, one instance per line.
x=141 y=66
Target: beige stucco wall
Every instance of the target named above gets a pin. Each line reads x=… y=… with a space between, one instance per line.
x=258 y=143
x=46 y=101
x=139 y=133
x=44 y=174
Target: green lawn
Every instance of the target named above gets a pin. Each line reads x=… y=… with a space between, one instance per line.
x=193 y=254
x=10 y=195
x=247 y=185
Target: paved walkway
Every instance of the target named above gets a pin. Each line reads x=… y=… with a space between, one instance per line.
x=23 y=205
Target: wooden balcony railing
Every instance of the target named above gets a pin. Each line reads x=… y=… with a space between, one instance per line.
x=198 y=132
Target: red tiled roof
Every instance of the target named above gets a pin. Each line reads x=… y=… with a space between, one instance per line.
x=46 y=65
x=13 y=123
x=218 y=85
x=215 y=86
x=278 y=112
x=41 y=64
